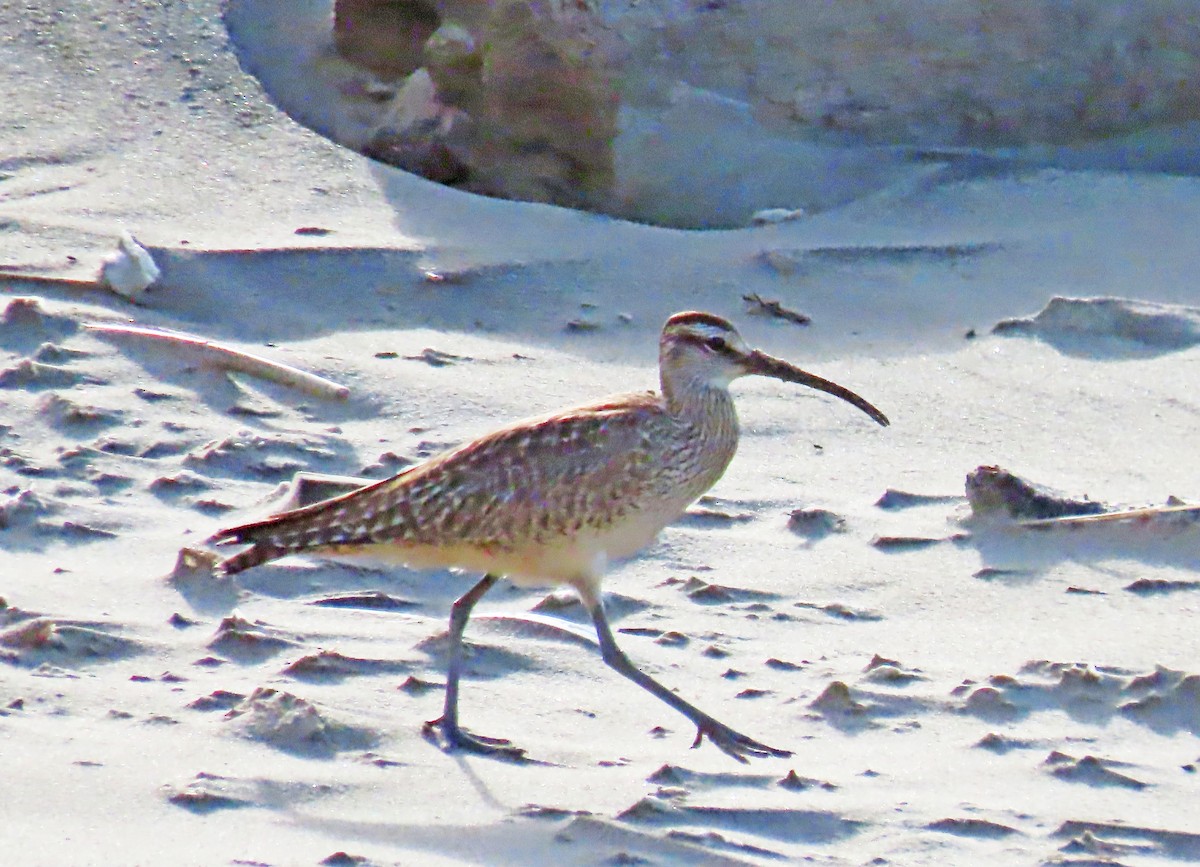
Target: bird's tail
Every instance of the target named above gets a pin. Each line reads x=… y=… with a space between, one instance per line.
x=253 y=556
x=341 y=520
x=269 y=539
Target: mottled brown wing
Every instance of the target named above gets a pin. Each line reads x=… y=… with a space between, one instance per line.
x=537 y=478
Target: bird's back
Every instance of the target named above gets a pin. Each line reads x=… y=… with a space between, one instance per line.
x=538 y=500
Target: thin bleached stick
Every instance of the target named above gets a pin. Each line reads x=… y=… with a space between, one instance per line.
x=49 y=280
x=228 y=358
x=1186 y=513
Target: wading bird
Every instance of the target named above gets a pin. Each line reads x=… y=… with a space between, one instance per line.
x=554 y=500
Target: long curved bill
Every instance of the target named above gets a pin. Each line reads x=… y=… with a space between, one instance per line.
x=761 y=364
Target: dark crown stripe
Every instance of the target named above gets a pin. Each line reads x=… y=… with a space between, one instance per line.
x=693 y=317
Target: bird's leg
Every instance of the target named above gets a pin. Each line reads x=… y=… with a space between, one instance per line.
x=455 y=736
x=731 y=742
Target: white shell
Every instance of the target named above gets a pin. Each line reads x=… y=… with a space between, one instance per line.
x=131 y=270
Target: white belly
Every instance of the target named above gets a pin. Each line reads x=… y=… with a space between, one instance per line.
x=579 y=558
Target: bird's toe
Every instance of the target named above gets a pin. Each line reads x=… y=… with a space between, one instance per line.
x=453 y=737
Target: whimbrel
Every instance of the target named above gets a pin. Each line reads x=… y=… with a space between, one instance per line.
x=554 y=500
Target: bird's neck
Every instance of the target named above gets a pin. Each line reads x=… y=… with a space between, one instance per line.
x=709 y=408
x=709 y=424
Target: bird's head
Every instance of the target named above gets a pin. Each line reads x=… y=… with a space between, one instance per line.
x=704 y=350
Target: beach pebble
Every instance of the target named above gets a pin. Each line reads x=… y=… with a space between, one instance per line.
x=815 y=523
x=771 y=216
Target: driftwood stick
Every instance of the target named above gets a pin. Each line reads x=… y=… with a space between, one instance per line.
x=227 y=358
x=1157 y=515
x=49 y=280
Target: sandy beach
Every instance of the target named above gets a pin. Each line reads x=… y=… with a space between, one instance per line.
x=958 y=686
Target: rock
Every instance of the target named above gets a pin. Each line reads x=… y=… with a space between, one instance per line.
x=385 y=36
x=515 y=99
x=993 y=491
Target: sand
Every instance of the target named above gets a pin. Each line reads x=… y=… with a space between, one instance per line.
x=955 y=690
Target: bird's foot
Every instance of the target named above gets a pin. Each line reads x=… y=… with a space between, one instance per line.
x=450 y=737
x=733 y=743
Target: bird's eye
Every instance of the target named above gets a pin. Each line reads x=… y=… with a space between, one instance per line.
x=717 y=344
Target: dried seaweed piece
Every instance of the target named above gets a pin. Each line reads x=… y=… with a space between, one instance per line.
x=756 y=304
